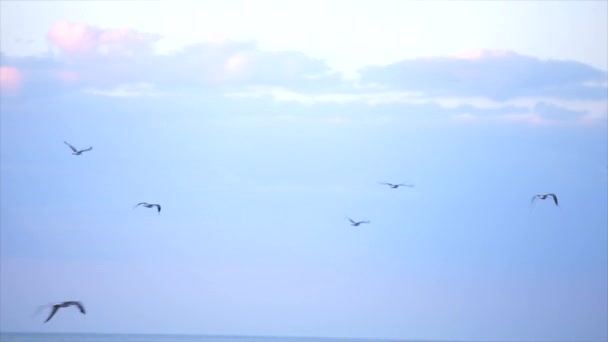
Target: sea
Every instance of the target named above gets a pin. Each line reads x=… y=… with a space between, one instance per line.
x=81 y=337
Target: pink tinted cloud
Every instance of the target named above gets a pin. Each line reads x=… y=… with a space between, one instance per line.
x=73 y=38
x=81 y=39
x=239 y=66
x=11 y=80
x=113 y=56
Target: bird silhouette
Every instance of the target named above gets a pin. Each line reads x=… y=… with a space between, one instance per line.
x=77 y=152
x=148 y=205
x=354 y=223
x=56 y=307
x=544 y=196
x=395 y=186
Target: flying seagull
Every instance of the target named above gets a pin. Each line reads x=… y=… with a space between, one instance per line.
x=395 y=186
x=355 y=224
x=65 y=305
x=148 y=205
x=76 y=151
x=544 y=196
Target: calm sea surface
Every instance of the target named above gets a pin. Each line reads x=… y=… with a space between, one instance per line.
x=38 y=337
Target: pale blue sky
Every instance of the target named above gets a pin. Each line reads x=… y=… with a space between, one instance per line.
x=260 y=128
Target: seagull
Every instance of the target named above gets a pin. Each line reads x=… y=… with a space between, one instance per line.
x=395 y=186
x=65 y=305
x=148 y=205
x=544 y=196
x=355 y=224
x=76 y=151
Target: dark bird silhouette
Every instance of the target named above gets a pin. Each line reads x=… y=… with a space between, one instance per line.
x=76 y=151
x=544 y=196
x=395 y=186
x=56 y=307
x=148 y=205
x=355 y=224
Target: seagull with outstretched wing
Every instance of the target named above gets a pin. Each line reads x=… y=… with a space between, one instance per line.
x=76 y=151
x=544 y=196
x=56 y=307
x=149 y=205
x=395 y=186
x=355 y=223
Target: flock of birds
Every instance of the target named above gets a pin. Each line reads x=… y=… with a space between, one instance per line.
x=394 y=186
x=56 y=307
x=77 y=152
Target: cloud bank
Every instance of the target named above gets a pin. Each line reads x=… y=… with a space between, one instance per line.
x=122 y=63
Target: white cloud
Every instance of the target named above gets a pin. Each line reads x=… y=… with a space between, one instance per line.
x=521 y=106
x=126 y=90
x=281 y=94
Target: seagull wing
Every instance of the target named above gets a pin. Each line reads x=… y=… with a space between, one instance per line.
x=40 y=309
x=533 y=198
x=88 y=149
x=80 y=307
x=138 y=204
x=158 y=207
x=554 y=199
x=55 y=308
x=72 y=147
x=351 y=221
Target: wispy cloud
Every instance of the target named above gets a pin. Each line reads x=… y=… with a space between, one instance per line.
x=528 y=109
x=125 y=90
x=282 y=94
x=553 y=112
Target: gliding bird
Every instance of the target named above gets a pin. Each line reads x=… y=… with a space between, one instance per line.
x=395 y=186
x=355 y=224
x=544 y=196
x=76 y=151
x=65 y=305
x=148 y=205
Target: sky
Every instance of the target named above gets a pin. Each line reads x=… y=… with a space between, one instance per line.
x=261 y=127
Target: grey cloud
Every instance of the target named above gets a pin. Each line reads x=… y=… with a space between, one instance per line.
x=498 y=77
